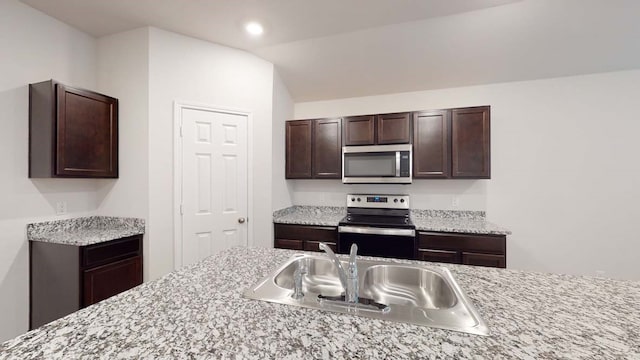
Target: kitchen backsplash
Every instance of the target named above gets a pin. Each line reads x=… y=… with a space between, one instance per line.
x=425 y=194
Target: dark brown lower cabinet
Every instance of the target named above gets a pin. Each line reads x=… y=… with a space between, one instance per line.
x=304 y=237
x=443 y=256
x=468 y=249
x=106 y=280
x=66 y=278
x=452 y=248
x=484 y=260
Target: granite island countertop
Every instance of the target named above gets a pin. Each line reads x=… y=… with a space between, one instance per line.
x=198 y=312
x=452 y=221
x=84 y=230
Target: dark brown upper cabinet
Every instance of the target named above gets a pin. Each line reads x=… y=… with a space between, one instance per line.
x=298 y=149
x=431 y=151
x=359 y=130
x=377 y=129
x=72 y=132
x=314 y=149
x=327 y=149
x=393 y=128
x=470 y=143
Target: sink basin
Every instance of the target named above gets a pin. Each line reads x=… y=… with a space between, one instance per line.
x=321 y=278
x=408 y=286
x=414 y=294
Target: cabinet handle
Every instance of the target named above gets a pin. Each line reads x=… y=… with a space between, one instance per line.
x=242 y=220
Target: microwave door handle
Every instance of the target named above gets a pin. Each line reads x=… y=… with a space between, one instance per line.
x=397 y=163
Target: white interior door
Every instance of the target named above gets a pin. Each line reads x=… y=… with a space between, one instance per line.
x=214 y=182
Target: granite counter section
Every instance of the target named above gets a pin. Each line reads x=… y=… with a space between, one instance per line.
x=450 y=221
x=85 y=230
x=310 y=215
x=198 y=313
x=470 y=222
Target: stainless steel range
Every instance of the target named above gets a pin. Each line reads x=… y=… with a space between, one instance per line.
x=379 y=224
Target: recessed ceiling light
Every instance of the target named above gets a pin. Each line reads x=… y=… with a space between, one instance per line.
x=254 y=28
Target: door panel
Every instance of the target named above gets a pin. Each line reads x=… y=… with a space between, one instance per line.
x=214 y=182
x=394 y=128
x=470 y=143
x=298 y=152
x=431 y=144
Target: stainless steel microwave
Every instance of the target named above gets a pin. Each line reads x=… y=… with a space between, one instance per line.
x=377 y=164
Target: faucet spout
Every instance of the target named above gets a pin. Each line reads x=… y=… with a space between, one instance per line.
x=349 y=277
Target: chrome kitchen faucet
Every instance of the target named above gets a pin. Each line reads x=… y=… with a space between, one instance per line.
x=348 y=278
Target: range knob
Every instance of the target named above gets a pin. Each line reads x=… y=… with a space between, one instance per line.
x=401 y=200
x=353 y=199
x=358 y=199
x=395 y=200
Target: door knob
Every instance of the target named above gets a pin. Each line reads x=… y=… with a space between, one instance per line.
x=242 y=220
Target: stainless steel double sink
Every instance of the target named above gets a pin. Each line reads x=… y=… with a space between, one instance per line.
x=414 y=294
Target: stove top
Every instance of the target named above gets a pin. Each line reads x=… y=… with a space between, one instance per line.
x=388 y=211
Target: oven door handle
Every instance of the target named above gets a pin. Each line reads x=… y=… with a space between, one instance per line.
x=376 y=231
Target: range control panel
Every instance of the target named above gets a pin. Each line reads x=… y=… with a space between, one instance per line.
x=376 y=201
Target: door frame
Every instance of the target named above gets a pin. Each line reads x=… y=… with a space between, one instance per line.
x=178 y=106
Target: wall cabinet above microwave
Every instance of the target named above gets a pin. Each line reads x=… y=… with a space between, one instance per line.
x=377 y=129
x=449 y=143
x=72 y=132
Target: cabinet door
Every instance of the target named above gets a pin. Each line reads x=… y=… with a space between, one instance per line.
x=359 y=130
x=87 y=134
x=470 y=143
x=327 y=148
x=394 y=128
x=298 y=149
x=443 y=256
x=431 y=151
x=490 y=260
x=288 y=244
x=315 y=246
x=111 y=279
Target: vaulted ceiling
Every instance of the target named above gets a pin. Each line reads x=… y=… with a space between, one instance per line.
x=345 y=48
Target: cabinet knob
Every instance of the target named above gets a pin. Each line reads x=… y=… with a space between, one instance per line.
x=242 y=220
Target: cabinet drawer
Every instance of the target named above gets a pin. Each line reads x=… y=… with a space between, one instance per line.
x=288 y=244
x=303 y=232
x=443 y=256
x=483 y=260
x=105 y=281
x=314 y=246
x=463 y=242
x=99 y=254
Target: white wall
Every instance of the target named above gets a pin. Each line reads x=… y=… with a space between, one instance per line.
x=123 y=72
x=282 y=111
x=186 y=69
x=565 y=169
x=33 y=48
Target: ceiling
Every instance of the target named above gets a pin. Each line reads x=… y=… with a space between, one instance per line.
x=345 y=48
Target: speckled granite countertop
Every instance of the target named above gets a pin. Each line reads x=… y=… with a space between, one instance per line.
x=85 y=230
x=470 y=222
x=310 y=215
x=198 y=313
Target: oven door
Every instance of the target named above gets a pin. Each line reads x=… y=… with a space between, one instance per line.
x=375 y=241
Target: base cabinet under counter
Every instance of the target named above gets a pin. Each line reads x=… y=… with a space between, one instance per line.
x=452 y=248
x=66 y=278
x=467 y=249
x=304 y=237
